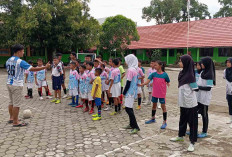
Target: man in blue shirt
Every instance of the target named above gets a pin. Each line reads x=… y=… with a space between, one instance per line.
x=15 y=69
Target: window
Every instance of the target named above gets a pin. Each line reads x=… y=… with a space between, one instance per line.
x=164 y=52
x=225 y=52
x=206 y=52
x=171 y=52
x=180 y=51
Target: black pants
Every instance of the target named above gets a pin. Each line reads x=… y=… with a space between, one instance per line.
x=203 y=110
x=188 y=116
x=133 y=122
x=229 y=99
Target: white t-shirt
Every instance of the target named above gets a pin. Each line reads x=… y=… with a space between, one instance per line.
x=187 y=97
x=228 y=85
x=56 y=70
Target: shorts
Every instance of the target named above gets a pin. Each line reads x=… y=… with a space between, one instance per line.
x=42 y=83
x=30 y=85
x=15 y=95
x=97 y=101
x=56 y=83
x=62 y=79
x=105 y=87
x=139 y=90
x=116 y=90
x=90 y=98
x=150 y=89
x=129 y=102
x=73 y=92
x=155 y=100
x=83 y=95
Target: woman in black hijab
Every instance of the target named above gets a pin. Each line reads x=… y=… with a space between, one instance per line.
x=206 y=81
x=187 y=101
x=228 y=77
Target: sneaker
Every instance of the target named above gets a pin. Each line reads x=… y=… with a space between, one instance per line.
x=148 y=103
x=163 y=126
x=86 y=109
x=40 y=98
x=102 y=106
x=113 y=113
x=123 y=106
x=159 y=106
x=191 y=148
x=96 y=118
x=74 y=105
x=95 y=115
x=79 y=106
x=144 y=100
x=177 y=139
x=58 y=101
x=134 y=131
x=107 y=109
x=69 y=98
x=91 y=111
x=48 y=97
x=187 y=132
x=138 y=107
x=65 y=96
x=54 y=100
x=202 y=135
x=27 y=97
x=127 y=127
x=49 y=94
x=150 y=121
x=107 y=103
x=199 y=115
x=71 y=104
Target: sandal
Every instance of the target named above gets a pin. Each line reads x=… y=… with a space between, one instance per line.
x=21 y=125
x=11 y=121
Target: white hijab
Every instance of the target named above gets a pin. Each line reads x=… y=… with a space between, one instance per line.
x=132 y=61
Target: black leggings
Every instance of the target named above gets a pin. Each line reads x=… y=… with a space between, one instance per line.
x=229 y=99
x=133 y=122
x=203 y=110
x=188 y=116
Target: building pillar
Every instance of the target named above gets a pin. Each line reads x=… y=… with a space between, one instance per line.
x=97 y=51
x=144 y=53
x=167 y=56
x=198 y=54
x=28 y=51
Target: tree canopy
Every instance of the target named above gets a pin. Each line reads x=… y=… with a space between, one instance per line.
x=169 y=11
x=225 y=10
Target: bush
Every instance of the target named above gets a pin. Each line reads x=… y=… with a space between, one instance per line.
x=156 y=54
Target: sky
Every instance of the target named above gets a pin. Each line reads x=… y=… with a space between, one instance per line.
x=133 y=9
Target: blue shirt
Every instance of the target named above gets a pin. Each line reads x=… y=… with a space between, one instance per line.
x=30 y=77
x=15 y=69
x=41 y=75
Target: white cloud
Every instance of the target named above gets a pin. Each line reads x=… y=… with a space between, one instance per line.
x=132 y=9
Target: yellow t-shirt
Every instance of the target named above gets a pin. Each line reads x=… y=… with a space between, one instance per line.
x=97 y=81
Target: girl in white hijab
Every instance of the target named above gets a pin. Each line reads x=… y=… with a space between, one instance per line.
x=130 y=91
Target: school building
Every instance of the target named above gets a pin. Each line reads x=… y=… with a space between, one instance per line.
x=212 y=37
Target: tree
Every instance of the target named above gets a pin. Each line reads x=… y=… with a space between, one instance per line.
x=62 y=25
x=117 y=34
x=161 y=11
x=225 y=10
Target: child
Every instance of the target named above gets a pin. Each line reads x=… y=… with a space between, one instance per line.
x=149 y=72
x=142 y=81
x=62 y=76
x=56 y=82
x=206 y=81
x=160 y=82
x=130 y=91
x=115 y=86
x=228 y=77
x=89 y=81
x=96 y=93
x=187 y=101
x=40 y=80
x=197 y=75
x=122 y=73
x=73 y=84
x=140 y=78
x=106 y=68
x=30 y=81
x=96 y=64
x=83 y=87
x=105 y=87
x=108 y=83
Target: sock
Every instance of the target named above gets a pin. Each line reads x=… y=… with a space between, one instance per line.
x=39 y=93
x=153 y=114
x=116 y=108
x=30 y=92
x=110 y=101
x=150 y=97
x=73 y=99
x=46 y=93
x=99 y=111
x=86 y=103
x=119 y=107
x=92 y=103
x=65 y=91
x=165 y=116
x=139 y=101
x=77 y=99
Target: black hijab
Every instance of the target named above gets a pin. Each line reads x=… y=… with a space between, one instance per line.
x=229 y=71
x=199 y=70
x=209 y=72
x=187 y=75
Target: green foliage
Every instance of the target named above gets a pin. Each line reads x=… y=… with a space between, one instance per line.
x=161 y=11
x=62 y=25
x=225 y=10
x=178 y=55
x=117 y=34
x=156 y=54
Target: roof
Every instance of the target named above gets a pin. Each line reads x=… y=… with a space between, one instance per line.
x=203 y=33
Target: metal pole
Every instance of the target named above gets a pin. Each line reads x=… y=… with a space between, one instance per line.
x=188 y=9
